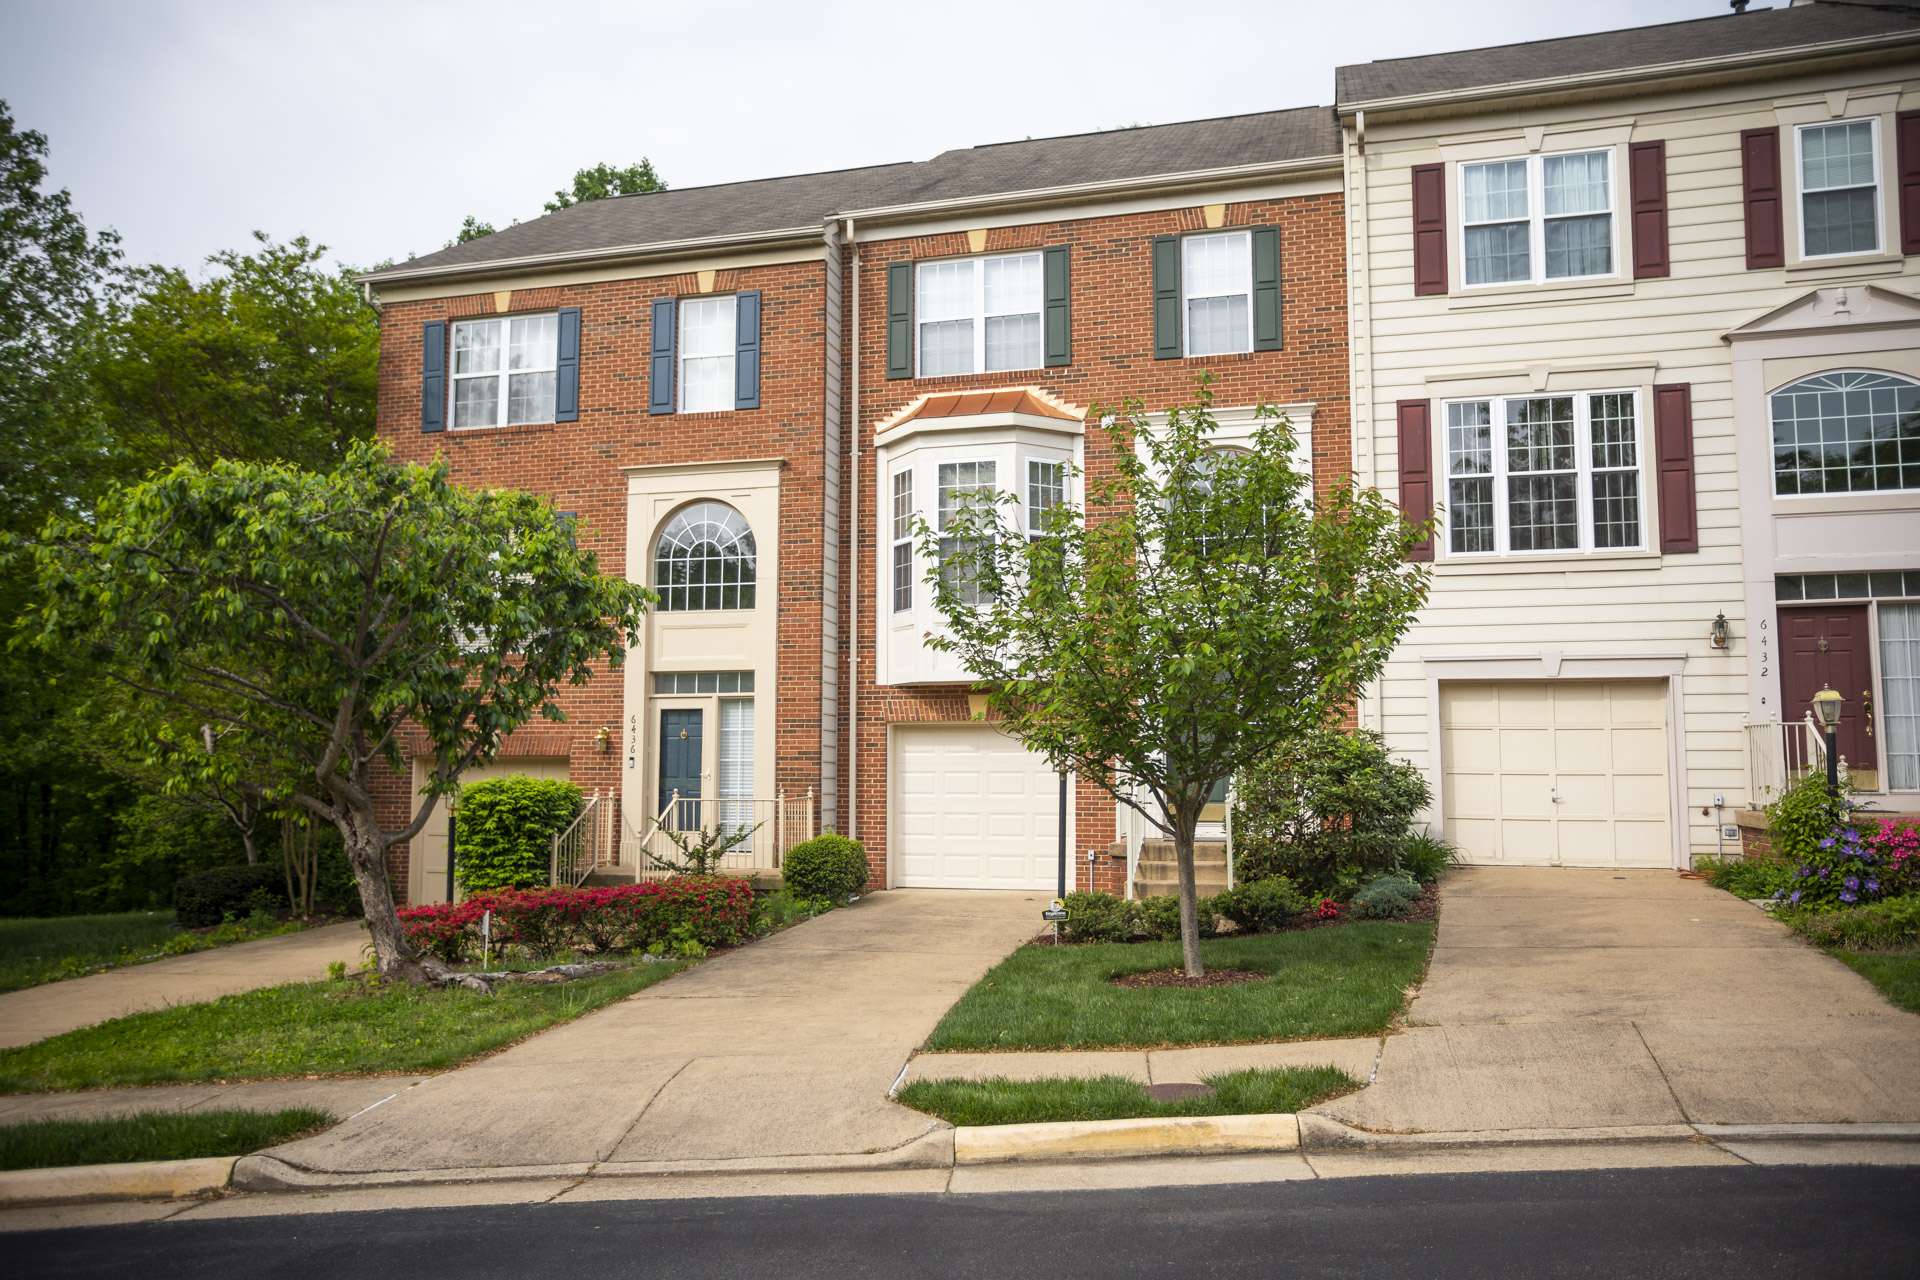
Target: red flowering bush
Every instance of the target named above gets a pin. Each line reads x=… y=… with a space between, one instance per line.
x=713 y=910
x=1327 y=910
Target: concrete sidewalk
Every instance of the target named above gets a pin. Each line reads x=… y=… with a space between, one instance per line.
x=1566 y=999
x=343 y=1096
x=1151 y=1066
x=54 y=1007
x=777 y=1052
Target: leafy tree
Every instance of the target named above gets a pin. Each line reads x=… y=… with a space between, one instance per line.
x=604 y=180
x=310 y=619
x=471 y=229
x=272 y=356
x=1209 y=612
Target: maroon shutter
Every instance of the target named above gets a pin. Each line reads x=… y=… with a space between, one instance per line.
x=1673 y=450
x=1760 y=187
x=1416 y=470
x=1429 y=228
x=1906 y=128
x=1647 y=177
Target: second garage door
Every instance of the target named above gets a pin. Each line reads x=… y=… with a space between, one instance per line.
x=972 y=809
x=1557 y=773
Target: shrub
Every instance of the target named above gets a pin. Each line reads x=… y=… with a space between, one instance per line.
x=1846 y=869
x=1158 y=918
x=208 y=897
x=1745 y=877
x=1099 y=917
x=1263 y=905
x=1803 y=816
x=1424 y=856
x=1329 y=812
x=710 y=911
x=828 y=866
x=1884 y=925
x=1386 y=897
x=1896 y=844
x=503 y=836
x=775 y=910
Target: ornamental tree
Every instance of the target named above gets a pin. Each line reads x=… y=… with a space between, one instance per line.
x=1204 y=610
x=306 y=620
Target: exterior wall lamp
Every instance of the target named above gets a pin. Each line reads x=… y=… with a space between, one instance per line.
x=1827 y=706
x=603 y=739
x=1719 y=635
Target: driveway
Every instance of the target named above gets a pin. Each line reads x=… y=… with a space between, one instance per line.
x=54 y=1007
x=1571 y=998
x=783 y=1049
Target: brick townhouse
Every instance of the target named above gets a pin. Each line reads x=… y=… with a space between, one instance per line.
x=744 y=392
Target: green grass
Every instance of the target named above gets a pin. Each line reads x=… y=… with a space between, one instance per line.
x=1896 y=973
x=152 y=1135
x=35 y=951
x=1346 y=980
x=312 y=1028
x=1236 y=1093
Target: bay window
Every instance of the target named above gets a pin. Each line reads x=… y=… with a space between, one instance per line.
x=1559 y=473
x=979 y=314
x=1536 y=219
x=963 y=486
x=504 y=370
x=902 y=540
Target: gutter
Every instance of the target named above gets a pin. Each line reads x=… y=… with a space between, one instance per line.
x=1631 y=76
x=620 y=253
x=851 y=555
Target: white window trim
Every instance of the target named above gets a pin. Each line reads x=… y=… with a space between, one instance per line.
x=1026 y=491
x=1537 y=219
x=1583 y=473
x=900 y=541
x=1862 y=497
x=979 y=314
x=680 y=356
x=500 y=375
x=1800 y=192
x=1187 y=296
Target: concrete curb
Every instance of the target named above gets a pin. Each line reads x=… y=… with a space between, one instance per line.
x=1321 y=1133
x=147 y=1180
x=1123 y=1139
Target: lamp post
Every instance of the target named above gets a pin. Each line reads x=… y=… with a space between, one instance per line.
x=1826 y=706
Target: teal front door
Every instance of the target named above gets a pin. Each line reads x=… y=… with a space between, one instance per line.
x=680 y=755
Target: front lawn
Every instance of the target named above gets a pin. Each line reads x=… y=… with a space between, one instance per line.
x=1236 y=1093
x=152 y=1135
x=341 y=1027
x=1896 y=973
x=1345 y=980
x=33 y=951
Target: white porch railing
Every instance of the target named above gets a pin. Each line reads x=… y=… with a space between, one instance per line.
x=768 y=828
x=1780 y=753
x=583 y=845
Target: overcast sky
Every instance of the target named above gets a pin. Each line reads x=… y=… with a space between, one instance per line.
x=375 y=126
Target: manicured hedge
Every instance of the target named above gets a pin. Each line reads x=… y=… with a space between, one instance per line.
x=827 y=866
x=710 y=910
x=503 y=838
x=208 y=897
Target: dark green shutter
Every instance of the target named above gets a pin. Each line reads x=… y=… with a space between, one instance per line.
x=660 y=358
x=1166 y=297
x=433 y=376
x=1266 y=288
x=1057 y=322
x=746 y=350
x=900 y=320
x=566 y=378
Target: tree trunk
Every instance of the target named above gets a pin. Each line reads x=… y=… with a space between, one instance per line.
x=394 y=955
x=1183 y=828
x=246 y=841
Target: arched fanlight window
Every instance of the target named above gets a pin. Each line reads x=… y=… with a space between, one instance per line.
x=1850 y=431
x=705 y=559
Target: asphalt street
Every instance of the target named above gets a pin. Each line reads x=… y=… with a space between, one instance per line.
x=1694 y=1223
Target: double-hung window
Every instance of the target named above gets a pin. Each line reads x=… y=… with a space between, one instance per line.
x=1839 y=188
x=963 y=486
x=1538 y=219
x=903 y=540
x=1046 y=489
x=979 y=314
x=1544 y=474
x=504 y=370
x=1216 y=283
x=708 y=342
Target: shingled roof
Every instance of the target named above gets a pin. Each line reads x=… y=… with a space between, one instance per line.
x=1754 y=32
x=805 y=201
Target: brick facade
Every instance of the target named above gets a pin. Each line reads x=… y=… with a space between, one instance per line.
x=1112 y=322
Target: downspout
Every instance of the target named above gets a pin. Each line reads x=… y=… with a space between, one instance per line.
x=854 y=552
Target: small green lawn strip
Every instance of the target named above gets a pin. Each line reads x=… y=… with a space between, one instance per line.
x=1236 y=1093
x=1896 y=973
x=1346 y=980
x=312 y=1028
x=152 y=1135
x=36 y=951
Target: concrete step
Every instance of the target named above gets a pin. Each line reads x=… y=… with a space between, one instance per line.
x=1168 y=869
x=1204 y=886
x=1202 y=849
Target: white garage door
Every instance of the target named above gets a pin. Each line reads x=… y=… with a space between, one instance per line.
x=427 y=875
x=1561 y=773
x=972 y=809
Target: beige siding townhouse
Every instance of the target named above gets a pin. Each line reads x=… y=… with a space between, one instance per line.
x=1636 y=315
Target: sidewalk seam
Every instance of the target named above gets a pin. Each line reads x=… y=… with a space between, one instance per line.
x=1661 y=1067
x=638 y=1117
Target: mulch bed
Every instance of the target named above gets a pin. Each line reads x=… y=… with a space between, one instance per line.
x=1178 y=978
x=1425 y=910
